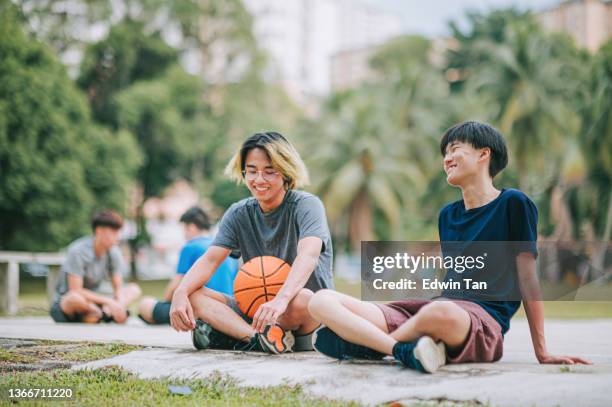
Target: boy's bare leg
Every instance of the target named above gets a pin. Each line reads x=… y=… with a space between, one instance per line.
x=128 y=294
x=441 y=320
x=356 y=321
x=297 y=318
x=73 y=303
x=210 y=306
x=145 y=308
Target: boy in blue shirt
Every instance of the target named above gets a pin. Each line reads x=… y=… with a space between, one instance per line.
x=426 y=334
x=196 y=225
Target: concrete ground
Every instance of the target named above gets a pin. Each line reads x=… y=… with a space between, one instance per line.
x=517 y=380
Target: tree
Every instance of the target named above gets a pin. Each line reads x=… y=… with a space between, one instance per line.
x=377 y=143
x=127 y=55
x=530 y=77
x=593 y=199
x=56 y=166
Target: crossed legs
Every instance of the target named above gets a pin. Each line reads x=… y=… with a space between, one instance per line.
x=212 y=307
x=364 y=323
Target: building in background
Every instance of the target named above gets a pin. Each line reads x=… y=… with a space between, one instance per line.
x=300 y=37
x=589 y=22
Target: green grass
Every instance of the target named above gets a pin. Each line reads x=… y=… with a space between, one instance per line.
x=574 y=310
x=46 y=350
x=116 y=387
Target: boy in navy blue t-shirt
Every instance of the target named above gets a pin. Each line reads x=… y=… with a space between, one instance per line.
x=426 y=334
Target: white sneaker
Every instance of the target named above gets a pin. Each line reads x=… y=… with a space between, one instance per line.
x=432 y=355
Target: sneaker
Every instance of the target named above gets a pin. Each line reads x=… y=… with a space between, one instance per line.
x=276 y=340
x=426 y=355
x=200 y=335
x=205 y=336
x=326 y=342
x=252 y=346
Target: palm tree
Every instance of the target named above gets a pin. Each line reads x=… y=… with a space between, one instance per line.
x=378 y=143
x=530 y=80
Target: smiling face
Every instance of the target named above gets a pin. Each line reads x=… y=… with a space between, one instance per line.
x=263 y=180
x=463 y=162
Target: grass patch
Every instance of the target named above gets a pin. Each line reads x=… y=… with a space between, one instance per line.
x=574 y=310
x=115 y=387
x=44 y=352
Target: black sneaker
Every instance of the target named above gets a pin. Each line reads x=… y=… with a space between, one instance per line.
x=204 y=336
x=200 y=336
x=253 y=345
x=326 y=342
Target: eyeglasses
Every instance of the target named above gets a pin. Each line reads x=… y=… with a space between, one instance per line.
x=267 y=175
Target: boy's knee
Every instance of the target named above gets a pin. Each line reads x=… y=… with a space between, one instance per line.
x=135 y=289
x=72 y=299
x=145 y=308
x=298 y=307
x=437 y=316
x=319 y=301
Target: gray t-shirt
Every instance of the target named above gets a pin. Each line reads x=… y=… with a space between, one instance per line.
x=245 y=227
x=81 y=261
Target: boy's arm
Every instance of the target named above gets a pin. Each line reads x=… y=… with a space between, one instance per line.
x=308 y=251
x=181 y=311
x=176 y=280
x=75 y=284
x=117 y=283
x=534 y=308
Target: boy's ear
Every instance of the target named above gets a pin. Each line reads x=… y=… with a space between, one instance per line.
x=484 y=153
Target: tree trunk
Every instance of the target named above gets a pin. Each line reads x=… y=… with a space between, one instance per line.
x=360 y=225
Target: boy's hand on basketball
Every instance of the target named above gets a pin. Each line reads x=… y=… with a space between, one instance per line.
x=562 y=360
x=181 y=313
x=268 y=313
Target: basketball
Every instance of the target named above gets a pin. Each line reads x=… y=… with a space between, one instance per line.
x=258 y=281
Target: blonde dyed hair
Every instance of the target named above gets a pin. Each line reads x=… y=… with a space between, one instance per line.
x=283 y=156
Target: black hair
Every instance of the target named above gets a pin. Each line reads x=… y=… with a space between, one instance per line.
x=479 y=135
x=258 y=140
x=107 y=218
x=196 y=215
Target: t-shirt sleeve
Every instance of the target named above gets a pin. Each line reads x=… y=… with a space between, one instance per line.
x=227 y=235
x=312 y=220
x=119 y=266
x=523 y=224
x=74 y=264
x=189 y=255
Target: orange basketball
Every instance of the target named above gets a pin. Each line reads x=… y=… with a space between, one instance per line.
x=258 y=281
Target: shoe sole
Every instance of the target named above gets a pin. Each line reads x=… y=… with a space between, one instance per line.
x=432 y=355
x=276 y=340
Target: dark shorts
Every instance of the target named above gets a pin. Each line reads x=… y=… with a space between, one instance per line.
x=59 y=315
x=161 y=310
x=484 y=342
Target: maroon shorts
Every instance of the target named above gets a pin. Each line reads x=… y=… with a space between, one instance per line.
x=484 y=342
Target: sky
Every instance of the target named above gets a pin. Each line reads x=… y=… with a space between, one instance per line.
x=431 y=17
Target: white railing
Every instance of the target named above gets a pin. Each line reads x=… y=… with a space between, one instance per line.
x=9 y=275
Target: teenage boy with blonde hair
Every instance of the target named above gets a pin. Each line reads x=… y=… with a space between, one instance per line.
x=278 y=220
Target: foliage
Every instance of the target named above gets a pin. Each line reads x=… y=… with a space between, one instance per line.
x=377 y=143
x=56 y=165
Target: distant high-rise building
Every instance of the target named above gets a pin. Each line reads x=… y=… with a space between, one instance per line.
x=589 y=22
x=300 y=37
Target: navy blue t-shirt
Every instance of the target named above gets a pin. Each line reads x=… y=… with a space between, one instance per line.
x=511 y=217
